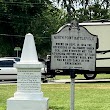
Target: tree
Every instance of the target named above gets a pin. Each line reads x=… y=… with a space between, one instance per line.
x=51 y=20
x=68 y=4
x=28 y=16
x=86 y=9
x=94 y=12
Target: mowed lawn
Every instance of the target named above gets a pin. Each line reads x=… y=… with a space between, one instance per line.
x=87 y=96
x=99 y=76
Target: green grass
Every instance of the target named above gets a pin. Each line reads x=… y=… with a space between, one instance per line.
x=87 y=96
x=6 y=91
x=92 y=97
x=99 y=76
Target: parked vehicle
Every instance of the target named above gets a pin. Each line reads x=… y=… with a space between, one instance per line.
x=102 y=29
x=9 y=72
x=15 y=58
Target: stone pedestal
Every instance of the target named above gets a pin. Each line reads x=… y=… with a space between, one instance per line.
x=27 y=104
x=28 y=95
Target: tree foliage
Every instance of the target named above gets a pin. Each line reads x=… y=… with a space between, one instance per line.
x=41 y=18
x=84 y=10
x=17 y=18
x=94 y=12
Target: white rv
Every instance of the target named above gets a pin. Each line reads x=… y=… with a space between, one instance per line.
x=102 y=29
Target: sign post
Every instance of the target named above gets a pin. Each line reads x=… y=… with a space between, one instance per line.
x=72 y=84
x=73 y=48
x=17 y=49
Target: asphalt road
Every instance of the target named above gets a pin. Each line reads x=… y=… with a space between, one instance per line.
x=64 y=81
x=81 y=81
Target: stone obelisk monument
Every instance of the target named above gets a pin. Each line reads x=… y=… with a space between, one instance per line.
x=28 y=95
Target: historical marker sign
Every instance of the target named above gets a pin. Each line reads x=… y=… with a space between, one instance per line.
x=73 y=48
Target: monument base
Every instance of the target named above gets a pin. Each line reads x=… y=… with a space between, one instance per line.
x=27 y=104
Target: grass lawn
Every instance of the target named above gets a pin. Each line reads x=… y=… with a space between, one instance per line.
x=99 y=76
x=87 y=96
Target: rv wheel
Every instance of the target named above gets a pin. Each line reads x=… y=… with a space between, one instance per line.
x=90 y=76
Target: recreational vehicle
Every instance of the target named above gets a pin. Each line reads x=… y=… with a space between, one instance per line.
x=102 y=30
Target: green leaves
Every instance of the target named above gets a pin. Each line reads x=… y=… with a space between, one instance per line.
x=85 y=10
x=38 y=17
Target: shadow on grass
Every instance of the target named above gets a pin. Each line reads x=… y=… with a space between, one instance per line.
x=56 y=108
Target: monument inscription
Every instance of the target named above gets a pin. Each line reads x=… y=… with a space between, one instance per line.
x=28 y=80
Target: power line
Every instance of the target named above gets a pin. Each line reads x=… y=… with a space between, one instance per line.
x=11 y=35
x=16 y=16
x=22 y=36
x=19 y=23
x=23 y=3
x=14 y=23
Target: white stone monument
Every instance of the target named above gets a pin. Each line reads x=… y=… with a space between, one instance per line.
x=28 y=95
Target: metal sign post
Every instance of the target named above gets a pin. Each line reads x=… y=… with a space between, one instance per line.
x=72 y=92
x=73 y=48
x=17 y=49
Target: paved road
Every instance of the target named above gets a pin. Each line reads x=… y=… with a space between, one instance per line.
x=67 y=81
x=80 y=81
x=8 y=82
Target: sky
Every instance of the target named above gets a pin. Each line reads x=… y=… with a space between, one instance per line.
x=56 y=4
x=59 y=5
